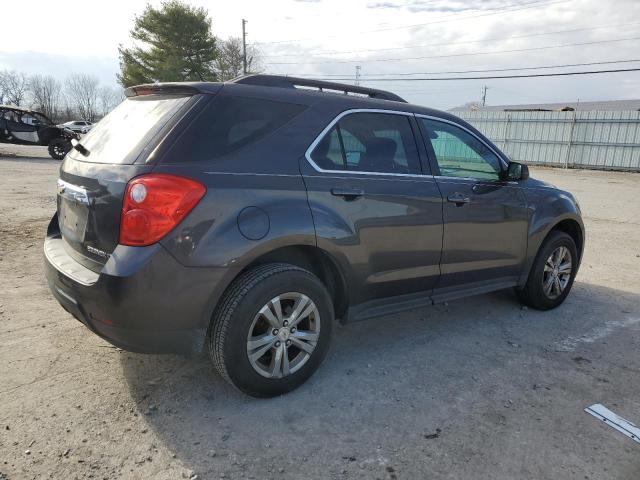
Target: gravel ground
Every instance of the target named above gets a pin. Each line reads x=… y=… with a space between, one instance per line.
x=479 y=388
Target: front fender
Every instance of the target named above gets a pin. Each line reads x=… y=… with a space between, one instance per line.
x=548 y=207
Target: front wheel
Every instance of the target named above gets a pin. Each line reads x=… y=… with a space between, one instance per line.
x=59 y=147
x=271 y=330
x=552 y=273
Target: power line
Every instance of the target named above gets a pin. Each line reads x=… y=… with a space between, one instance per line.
x=316 y=54
x=539 y=67
x=433 y=79
x=456 y=54
x=501 y=10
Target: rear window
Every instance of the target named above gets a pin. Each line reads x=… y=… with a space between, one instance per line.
x=231 y=123
x=122 y=134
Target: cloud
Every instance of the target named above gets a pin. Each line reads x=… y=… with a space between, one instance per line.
x=422 y=7
x=296 y=32
x=448 y=6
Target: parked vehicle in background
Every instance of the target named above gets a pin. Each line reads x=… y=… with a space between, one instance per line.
x=244 y=217
x=27 y=127
x=79 y=126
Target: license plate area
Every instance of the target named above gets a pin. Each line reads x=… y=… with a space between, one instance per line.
x=73 y=221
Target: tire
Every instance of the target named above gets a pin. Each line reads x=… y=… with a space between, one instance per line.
x=59 y=147
x=239 y=316
x=534 y=294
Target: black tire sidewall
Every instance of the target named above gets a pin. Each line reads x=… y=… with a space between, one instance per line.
x=534 y=290
x=237 y=364
x=61 y=143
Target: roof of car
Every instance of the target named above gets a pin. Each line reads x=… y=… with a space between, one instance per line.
x=307 y=91
x=18 y=109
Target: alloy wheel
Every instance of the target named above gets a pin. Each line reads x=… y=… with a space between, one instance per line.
x=557 y=272
x=283 y=335
x=59 y=150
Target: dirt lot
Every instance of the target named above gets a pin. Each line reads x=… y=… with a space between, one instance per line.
x=478 y=389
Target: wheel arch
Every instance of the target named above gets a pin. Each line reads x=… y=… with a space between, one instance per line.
x=317 y=261
x=571 y=227
x=309 y=257
x=571 y=224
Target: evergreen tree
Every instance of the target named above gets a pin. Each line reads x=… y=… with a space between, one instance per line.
x=172 y=43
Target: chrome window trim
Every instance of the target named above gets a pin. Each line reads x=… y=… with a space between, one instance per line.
x=455 y=124
x=478 y=181
x=252 y=174
x=356 y=172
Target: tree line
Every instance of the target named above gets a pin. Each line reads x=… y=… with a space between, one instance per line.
x=79 y=97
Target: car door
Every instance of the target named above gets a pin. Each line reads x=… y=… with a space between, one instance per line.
x=19 y=127
x=374 y=208
x=485 y=218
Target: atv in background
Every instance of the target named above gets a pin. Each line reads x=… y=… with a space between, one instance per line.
x=26 y=127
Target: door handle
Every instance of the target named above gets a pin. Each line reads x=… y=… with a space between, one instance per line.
x=458 y=198
x=347 y=193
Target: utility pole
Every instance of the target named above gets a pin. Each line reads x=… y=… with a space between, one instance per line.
x=357 y=75
x=244 y=47
x=484 y=95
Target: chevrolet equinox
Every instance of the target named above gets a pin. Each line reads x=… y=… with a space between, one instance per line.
x=242 y=218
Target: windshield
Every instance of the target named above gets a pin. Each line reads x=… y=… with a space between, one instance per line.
x=122 y=134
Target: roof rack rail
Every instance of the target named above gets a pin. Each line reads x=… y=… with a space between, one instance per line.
x=282 y=81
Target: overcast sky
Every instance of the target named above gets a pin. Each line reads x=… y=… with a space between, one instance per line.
x=384 y=37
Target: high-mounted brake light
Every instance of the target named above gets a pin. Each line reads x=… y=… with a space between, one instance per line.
x=154 y=204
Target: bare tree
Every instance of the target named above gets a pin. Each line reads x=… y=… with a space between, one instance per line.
x=109 y=98
x=2 y=94
x=82 y=90
x=229 y=62
x=45 y=94
x=67 y=111
x=13 y=87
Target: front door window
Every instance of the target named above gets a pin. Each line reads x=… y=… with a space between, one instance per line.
x=460 y=154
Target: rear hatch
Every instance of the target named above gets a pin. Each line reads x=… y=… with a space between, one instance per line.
x=93 y=179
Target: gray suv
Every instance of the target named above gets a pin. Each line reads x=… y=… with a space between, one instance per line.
x=242 y=218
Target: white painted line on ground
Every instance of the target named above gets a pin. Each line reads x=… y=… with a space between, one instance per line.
x=570 y=344
x=624 y=426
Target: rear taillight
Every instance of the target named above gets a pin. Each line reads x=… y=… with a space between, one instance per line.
x=154 y=204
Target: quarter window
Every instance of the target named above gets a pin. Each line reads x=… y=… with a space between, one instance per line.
x=369 y=142
x=460 y=154
x=328 y=154
x=230 y=123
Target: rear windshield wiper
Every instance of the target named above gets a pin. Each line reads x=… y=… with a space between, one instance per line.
x=79 y=147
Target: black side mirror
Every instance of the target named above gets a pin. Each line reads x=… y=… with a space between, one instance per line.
x=516 y=172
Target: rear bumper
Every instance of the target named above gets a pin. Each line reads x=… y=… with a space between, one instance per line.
x=143 y=300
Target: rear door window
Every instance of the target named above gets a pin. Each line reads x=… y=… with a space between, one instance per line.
x=231 y=123
x=120 y=136
x=369 y=142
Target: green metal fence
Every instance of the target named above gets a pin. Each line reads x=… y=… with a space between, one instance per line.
x=581 y=139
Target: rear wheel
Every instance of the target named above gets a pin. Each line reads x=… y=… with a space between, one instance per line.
x=552 y=273
x=272 y=329
x=59 y=147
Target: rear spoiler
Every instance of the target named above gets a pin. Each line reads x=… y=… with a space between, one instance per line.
x=174 y=88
